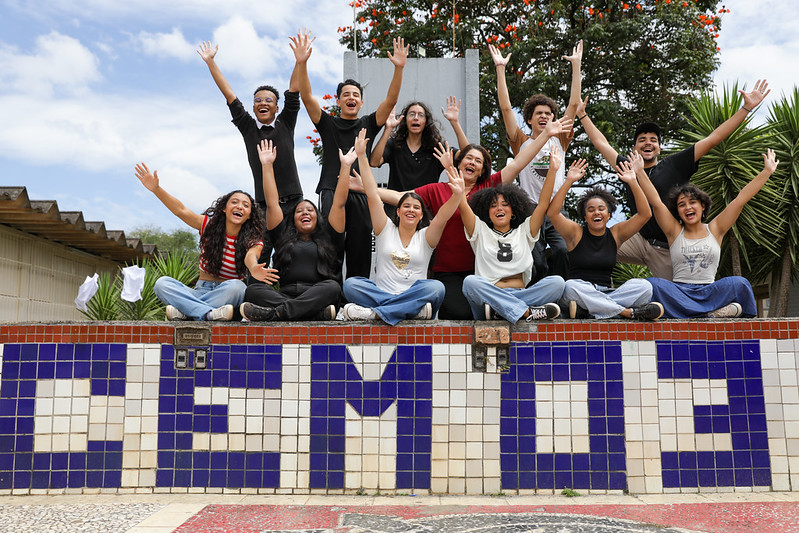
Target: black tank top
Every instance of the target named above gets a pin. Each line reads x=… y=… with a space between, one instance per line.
x=593 y=258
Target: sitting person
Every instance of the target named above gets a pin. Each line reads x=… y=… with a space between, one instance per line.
x=592 y=249
x=695 y=248
x=230 y=243
x=399 y=287
x=307 y=260
x=502 y=226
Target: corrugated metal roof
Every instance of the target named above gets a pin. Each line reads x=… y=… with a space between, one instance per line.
x=44 y=219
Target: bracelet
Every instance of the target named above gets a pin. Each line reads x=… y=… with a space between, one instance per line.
x=582 y=117
x=747 y=109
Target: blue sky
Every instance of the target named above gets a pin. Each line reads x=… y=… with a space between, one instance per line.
x=90 y=88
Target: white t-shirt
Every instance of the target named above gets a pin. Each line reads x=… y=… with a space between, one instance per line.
x=397 y=267
x=533 y=176
x=499 y=256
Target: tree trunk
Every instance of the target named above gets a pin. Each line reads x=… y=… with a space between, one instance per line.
x=735 y=254
x=784 y=286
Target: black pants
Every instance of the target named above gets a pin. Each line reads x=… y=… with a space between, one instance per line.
x=558 y=262
x=295 y=301
x=358 y=227
x=455 y=306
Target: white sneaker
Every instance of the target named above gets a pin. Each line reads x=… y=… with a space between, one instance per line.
x=172 y=313
x=728 y=311
x=489 y=313
x=224 y=313
x=426 y=313
x=543 y=312
x=357 y=312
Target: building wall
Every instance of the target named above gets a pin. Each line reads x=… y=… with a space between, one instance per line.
x=39 y=279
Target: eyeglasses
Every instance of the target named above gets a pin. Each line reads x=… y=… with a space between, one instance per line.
x=267 y=100
x=414 y=114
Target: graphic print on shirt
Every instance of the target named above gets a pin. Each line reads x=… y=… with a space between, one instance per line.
x=541 y=163
x=400 y=259
x=505 y=253
x=698 y=257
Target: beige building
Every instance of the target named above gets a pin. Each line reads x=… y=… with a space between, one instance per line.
x=46 y=254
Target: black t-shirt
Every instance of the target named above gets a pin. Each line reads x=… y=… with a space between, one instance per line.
x=593 y=258
x=408 y=170
x=338 y=133
x=670 y=172
x=281 y=133
x=304 y=256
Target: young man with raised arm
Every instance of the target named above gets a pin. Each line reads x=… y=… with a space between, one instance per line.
x=649 y=246
x=339 y=133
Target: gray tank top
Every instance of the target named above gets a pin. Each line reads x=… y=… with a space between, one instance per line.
x=695 y=260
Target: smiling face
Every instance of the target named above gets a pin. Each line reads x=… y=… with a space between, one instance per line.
x=416 y=119
x=597 y=215
x=264 y=109
x=409 y=212
x=542 y=115
x=238 y=208
x=350 y=101
x=472 y=166
x=305 y=218
x=500 y=213
x=648 y=145
x=690 y=209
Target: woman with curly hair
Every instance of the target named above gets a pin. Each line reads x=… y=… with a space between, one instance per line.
x=502 y=225
x=592 y=249
x=307 y=258
x=230 y=244
x=695 y=249
x=398 y=288
x=408 y=142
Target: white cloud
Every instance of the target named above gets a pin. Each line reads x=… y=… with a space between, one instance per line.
x=171 y=44
x=58 y=63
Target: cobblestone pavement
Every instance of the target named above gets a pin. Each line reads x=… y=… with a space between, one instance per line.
x=216 y=513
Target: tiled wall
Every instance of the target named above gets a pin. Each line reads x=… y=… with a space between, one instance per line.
x=592 y=406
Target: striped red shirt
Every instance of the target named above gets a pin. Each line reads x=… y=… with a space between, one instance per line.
x=228 y=269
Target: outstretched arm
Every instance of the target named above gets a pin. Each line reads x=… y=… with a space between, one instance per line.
x=376 y=211
x=301 y=46
x=452 y=114
x=208 y=54
x=671 y=226
x=752 y=99
x=568 y=229
x=720 y=225
x=151 y=183
x=399 y=57
x=577 y=78
x=468 y=217
x=337 y=217
x=627 y=228
x=599 y=141
x=377 y=152
x=512 y=129
x=436 y=228
x=259 y=271
x=555 y=127
x=267 y=153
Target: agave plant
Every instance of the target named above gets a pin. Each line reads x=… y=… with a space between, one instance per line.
x=149 y=307
x=625 y=271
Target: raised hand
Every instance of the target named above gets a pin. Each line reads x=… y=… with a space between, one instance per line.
x=453 y=173
x=149 y=180
x=636 y=160
x=443 y=153
x=556 y=127
x=577 y=53
x=360 y=142
x=206 y=52
x=393 y=121
x=262 y=272
x=496 y=55
x=753 y=98
x=770 y=161
x=400 y=54
x=267 y=153
x=456 y=184
x=356 y=183
x=349 y=158
x=577 y=170
x=453 y=111
x=581 y=108
x=301 y=45
x=625 y=172
x=555 y=158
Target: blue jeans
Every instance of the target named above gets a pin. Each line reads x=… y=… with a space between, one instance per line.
x=205 y=296
x=604 y=302
x=394 y=307
x=687 y=300
x=510 y=304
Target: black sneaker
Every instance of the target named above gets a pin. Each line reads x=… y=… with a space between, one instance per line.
x=650 y=311
x=257 y=313
x=543 y=312
x=328 y=312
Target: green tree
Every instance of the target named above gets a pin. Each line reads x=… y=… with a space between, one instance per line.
x=180 y=241
x=642 y=61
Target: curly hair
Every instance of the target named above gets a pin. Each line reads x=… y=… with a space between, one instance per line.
x=426 y=217
x=691 y=191
x=536 y=100
x=430 y=134
x=214 y=237
x=328 y=265
x=486 y=160
x=520 y=204
x=596 y=192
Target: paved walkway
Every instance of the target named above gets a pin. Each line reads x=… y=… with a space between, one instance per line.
x=161 y=513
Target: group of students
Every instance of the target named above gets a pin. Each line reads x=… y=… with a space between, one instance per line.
x=487 y=238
